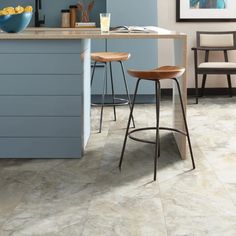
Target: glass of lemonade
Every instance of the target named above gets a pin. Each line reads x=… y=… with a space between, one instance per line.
x=105 y=22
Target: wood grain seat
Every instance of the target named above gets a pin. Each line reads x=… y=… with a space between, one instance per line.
x=164 y=72
x=110 y=56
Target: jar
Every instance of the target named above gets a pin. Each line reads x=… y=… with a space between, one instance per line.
x=73 y=15
x=65 y=18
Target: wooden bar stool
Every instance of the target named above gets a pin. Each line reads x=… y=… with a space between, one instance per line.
x=156 y=75
x=105 y=58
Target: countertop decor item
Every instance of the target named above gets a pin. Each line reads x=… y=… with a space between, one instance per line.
x=73 y=15
x=85 y=25
x=65 y=18
x=16 y=22
x=85 y=10
x=205 y=10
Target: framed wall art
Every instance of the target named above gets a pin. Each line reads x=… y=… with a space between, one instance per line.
x=205 y=10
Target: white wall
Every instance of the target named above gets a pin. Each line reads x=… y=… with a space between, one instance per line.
x=167 y=19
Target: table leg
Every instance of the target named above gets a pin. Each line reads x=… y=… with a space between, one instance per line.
x=180 y=50
x=86 y=91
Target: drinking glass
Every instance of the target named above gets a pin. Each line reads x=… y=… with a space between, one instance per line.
x=105 y=22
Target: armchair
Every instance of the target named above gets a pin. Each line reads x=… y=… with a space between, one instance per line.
x=214 y=41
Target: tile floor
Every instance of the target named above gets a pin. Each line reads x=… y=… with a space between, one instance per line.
x=90 y=197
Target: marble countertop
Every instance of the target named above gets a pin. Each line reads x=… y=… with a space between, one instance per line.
x=61 y=33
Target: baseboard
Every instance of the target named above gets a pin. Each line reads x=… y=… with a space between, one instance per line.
x=166 y=94
x=207 y=91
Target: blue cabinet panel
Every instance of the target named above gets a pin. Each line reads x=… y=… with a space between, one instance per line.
x=40 y=64
x=40 y=147
x=41 y=85
x=40 y=105
x=41 y=46
x=42 y=113
x=40 y=127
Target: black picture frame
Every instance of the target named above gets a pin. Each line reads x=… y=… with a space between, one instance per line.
x=179 y=19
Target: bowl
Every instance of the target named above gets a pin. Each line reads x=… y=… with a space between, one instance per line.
x=15 y=23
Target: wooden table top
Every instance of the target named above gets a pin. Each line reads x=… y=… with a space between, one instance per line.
x=62 y=33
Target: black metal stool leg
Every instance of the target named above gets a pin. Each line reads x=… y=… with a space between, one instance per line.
x=94 y=67
x=128 y=125
x=230 y=85
x=103 y=97
x=127 y=89
x=113 y=93
x=203 y=84
x=185 y=122
x=196 y=87
x=157 y=144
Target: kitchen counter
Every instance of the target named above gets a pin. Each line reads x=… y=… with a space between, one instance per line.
x=45 y=90
x=61 y=33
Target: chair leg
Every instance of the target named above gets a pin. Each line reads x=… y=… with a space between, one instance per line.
x=103 y=97
x=113 y=93
x=230 y=86
x=185 y=122
x=127 y=89
x=157 y=143
x=128 y=125
x=196 y=88
x=94 y=67
x=203 y=84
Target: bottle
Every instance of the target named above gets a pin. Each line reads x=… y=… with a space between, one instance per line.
x=65 y=18
x=73 y=15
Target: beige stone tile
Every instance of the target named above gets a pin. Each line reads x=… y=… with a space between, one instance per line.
x=225 y=168
x=56 y=201
x=106 y=226
x=196 y=193
x=35 y=165
x=125 y=209
x=231 y=188
x=14 y=185
x=209 y=225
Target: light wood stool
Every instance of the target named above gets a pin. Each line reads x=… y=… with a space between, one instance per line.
x=105 y=58
x=156 y=75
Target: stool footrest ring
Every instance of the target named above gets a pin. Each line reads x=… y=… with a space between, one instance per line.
x=152 y=128
x=118 y=102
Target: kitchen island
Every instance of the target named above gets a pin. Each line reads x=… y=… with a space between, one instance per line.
x=45 y=90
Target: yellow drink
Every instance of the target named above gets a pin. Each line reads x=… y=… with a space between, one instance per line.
x=105 y=22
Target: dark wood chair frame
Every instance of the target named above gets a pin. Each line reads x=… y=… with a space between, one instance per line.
x=205 y=71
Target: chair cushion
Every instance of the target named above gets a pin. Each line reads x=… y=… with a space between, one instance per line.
x=217 y=65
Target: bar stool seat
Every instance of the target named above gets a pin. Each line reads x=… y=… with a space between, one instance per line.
x=110 y=56
x=164 y=72
x=156 y=75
